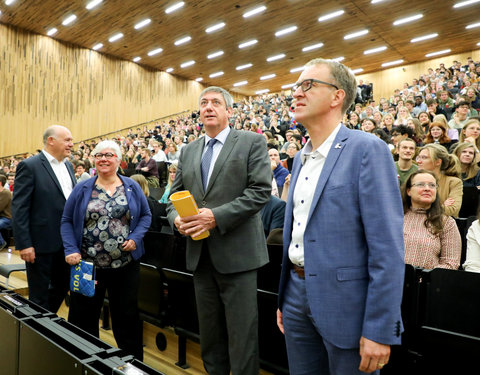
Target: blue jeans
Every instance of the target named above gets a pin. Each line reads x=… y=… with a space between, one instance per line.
x=5 y=223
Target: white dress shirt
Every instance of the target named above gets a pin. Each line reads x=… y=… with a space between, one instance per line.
x=61 y=172
x=305 y=188
x=217 y=147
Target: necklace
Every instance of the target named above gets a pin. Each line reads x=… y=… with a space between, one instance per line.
x=108 y=187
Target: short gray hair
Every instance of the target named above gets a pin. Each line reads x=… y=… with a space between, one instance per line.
x=343 y=77
x=108 y=144
x=226 y=95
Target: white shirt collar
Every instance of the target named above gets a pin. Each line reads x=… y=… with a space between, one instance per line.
x=52 y=159
x=221 y=137
x=323 y=149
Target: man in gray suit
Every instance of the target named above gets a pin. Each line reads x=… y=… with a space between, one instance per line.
x=228 y=173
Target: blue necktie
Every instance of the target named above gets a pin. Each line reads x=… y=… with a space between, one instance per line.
x=206 y=161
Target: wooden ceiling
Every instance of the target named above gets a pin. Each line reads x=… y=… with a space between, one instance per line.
x=113 y=16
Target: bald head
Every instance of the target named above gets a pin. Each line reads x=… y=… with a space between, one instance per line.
x=58 y=141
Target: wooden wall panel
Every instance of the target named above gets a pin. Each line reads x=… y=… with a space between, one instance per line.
x=45 y=82
x=386 y=81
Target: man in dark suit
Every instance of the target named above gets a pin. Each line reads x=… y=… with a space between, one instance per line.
x=42 y=186
x=343 y=261
x=228 y=173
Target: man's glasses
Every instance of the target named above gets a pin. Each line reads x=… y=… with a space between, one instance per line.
x=423 y=185
x=308 y=83
x=107 y=156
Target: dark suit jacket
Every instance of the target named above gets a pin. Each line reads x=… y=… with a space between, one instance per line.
x=238 y=188
x=37 y=205
x=273 y=214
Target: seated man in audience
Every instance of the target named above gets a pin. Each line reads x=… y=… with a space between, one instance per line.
x=279 y=172
x=148 y=168
x=400 y=133
x=446 y=103
x=11 y=181
x=80 y=173
x=5 y=209
x=433 y=109
x=273 y=214
x=406 y=153
x=461 y=116
x=158 y=153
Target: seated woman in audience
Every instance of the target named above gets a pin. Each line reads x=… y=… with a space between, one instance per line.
x=467 y=153
x=80 y=173
x=387 y=123
x=418 y=135
x=172 y=172
x=437 y=134
x=424 y=119
x=292 y=150
x=471 y=132
x=431 y=238
x=402 y=116
x=446 y=168
x=452 y=133
x=173 y=153
x=104 y=221
x=156 y=208
x=368 y=124
x=472 y=261
x=353 y=121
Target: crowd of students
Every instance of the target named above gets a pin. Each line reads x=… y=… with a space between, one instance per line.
x=431 y=124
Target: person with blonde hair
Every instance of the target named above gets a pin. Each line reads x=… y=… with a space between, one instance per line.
x=471 y=132
x=172 y=172
x=467 y=153
x=435 y=158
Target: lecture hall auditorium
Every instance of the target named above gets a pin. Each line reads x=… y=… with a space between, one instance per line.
x=132 y=72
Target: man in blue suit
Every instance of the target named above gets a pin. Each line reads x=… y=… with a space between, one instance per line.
x=42 y=185
x=343 y=262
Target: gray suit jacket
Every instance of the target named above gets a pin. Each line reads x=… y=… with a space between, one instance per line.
x=240 y=185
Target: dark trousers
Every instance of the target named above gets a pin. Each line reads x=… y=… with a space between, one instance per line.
x=228 y=319
x=122 y=286
x=48 y=280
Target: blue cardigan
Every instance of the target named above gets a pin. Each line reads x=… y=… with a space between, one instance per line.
x=74 y=215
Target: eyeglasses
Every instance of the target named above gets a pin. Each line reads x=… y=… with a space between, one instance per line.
x=308 y=83
x=423 y=185
x=422 y=157
x=107 y=156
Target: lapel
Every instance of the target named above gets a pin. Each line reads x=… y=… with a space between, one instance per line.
x=50 y=171
x=222 y=157
x=335 y=151
x=71 y=173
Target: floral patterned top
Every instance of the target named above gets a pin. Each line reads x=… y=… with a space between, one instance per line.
x=107 y=225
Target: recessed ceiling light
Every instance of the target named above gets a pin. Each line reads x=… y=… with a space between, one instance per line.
x=331 y=15
x=249 y=43
x=245 y=66
x=187 y=63
x=359 y=70
x=471 y=26
x=216 y=27
x=401 y=21
x=215 y=54
x=312 y=47
x=52 y=31
x=465 y=3
x=137 y=59
x=376 y=1
x=425 y=37
x=254 y=11
x=174 y=7
x=69 y=20
x=287 y=30
x=199 y=79
x=374 y=50
x=299 y=69
x=268 y=76
x=241 y=83
x=478 y=44
x=276 y=57
x=260 y=92
x=183 y=40
x=115 y=37
x=338 y=59
x=8 y=2
x=288 y=86
x=97 y=46
x=390 y=63
x=92 y=4
x=155 y=51
x=169 y=70
x=143 y=23
x=438 y=53
x=217 y=74
x=356 y=34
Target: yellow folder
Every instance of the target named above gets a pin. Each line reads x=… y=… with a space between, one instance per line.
x=185 y=205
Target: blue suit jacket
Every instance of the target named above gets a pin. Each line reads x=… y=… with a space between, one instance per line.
x=75 y=209
x=353 y=243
